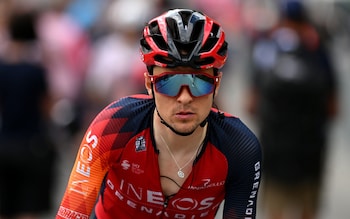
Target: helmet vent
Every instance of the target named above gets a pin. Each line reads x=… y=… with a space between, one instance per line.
x=223 y=50
x=157 y=36
x=162 y=59
x=158 y=39
x=205 y=61
x=172 y=28
x=209 y=44
x=212 y=40
x=185 y=16
x=185 y=49
x=197 y=31
x=145 y=47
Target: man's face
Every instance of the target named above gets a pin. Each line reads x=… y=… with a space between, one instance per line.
x=183 y=96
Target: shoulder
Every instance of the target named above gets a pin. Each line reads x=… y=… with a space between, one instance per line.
x=122 y=119
x=132 y=103
x=231 y=136
x=128 y=110
x=229 y=125
x=236 y=142
x=127 y=107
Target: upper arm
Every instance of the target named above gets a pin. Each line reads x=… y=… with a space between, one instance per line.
x=244 y=181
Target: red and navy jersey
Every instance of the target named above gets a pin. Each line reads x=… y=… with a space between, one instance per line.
x=116 y=172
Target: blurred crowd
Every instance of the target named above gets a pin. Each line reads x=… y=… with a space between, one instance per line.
x=89 y=52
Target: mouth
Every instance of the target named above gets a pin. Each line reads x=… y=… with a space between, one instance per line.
x=184 y=115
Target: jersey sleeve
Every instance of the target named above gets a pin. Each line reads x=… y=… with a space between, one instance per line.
x=244 y=176
x=242 y=188
x=90 y=167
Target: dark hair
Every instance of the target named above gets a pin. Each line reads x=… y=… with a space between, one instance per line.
x=294 y=10
x=22 y=26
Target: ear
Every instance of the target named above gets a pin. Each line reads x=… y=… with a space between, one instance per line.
x=218 y=84
x=148 y=84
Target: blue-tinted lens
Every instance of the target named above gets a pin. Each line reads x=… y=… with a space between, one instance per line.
x=198 y=84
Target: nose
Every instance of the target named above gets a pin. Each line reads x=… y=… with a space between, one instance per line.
x=184 y=95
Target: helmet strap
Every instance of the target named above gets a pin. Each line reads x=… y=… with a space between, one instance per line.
x=202 y=124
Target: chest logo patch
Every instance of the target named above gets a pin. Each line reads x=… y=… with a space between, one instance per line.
x=140 y=144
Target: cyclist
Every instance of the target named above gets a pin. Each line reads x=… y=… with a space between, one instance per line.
x=168 y=154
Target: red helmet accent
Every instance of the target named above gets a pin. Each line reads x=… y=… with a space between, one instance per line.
x=184 y=37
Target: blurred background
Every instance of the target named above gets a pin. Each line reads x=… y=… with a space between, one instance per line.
x=90 y=52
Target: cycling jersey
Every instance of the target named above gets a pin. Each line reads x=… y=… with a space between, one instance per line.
x=116 y=171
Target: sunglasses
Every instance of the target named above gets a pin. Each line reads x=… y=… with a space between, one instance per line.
x=170 y=83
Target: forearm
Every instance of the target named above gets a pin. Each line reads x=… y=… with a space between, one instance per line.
x=85 y=180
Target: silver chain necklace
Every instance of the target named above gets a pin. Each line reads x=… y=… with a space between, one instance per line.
x=180 y=173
